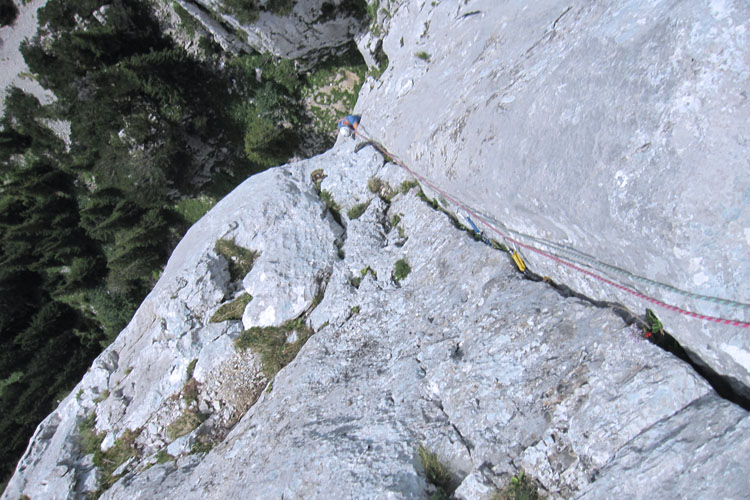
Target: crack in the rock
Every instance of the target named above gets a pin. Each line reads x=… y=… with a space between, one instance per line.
x=725 y=386
x=465 y=442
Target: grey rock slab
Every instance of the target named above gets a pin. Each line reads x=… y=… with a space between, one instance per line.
x=617 y=129
x=304 y=33
x=696 y=441
x=144 y=371
x=298 y=233
x=491 y=372
x=475 y=486
x=534 y=114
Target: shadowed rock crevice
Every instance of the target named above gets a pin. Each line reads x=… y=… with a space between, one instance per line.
x=725 y=386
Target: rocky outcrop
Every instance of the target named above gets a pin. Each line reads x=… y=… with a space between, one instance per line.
x=420 y=335
x=311 y=30
x=603 y=133
x=492 y=372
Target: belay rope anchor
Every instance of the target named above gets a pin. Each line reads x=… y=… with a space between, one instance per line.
x=514 y=253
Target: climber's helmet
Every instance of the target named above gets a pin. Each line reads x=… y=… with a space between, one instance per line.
x=345 y=132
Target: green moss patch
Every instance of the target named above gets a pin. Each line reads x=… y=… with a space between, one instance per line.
x=401 y=270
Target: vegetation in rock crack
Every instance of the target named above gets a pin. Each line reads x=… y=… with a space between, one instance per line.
x=382 y=59
x=372 y=10
x=519 y=488
x=368 y=270
x=190 y=369
x=232 y=311
x=655 y=326
x=102 y=396
x=190 y=391
x=401 y=269
x=89 y=440
x=163 y=457
x=374 y=185
x=423 y=55
x=430 y=201
x=436 y=472
x=271 y=344
x=395 y=221
x=184 y=424
x=239 y=259
x=203 y=444
x=381 y=188
x=407 y=186
x=357 y=210
x=123 y=449
x=331 y=204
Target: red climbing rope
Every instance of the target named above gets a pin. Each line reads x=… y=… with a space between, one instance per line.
x=458 y=203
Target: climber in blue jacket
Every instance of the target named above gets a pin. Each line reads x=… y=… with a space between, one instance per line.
x=348 y=125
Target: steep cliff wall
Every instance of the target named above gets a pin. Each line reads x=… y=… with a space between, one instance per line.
x=606 y=133
x=462 y=355
x=416 y=334
x=303 y=30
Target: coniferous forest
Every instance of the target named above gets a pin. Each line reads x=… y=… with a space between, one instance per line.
x=86 y=227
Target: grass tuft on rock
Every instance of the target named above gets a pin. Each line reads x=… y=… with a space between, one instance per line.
x=184 y=424
x=241 y=260
x=270 y=343
x=437 y=473
x=407 y=186
x=519 y=488
x=122 y=450
x=357 y=210
x=89 y=440
x=163 y=457
x=232 y=311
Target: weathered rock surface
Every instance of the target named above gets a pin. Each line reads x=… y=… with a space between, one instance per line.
x=311 y=30
x=619 y=129
x=493 y=372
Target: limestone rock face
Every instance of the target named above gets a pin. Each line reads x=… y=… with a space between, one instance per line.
x=588 y=125
x=311 y=29
x=492 y=372
x=599 y=132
